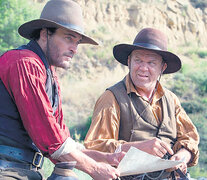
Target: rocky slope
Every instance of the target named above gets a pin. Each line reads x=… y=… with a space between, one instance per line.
x=118 y=21
x=177 y=18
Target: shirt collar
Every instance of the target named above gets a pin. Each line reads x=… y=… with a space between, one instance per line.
x=34 y=46
x=131 y=89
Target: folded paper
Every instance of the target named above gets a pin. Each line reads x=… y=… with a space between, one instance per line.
x=137 y=162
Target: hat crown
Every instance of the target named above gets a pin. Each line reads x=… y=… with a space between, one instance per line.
x=58 y=14
x=151 y=38
x=64 y=12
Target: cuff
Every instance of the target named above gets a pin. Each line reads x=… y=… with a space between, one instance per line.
x=192 y=149
x=67 y=147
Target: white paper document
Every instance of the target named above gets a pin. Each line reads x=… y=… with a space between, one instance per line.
x=137 y=162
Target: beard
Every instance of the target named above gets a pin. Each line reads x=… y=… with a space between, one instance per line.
x=58 y=59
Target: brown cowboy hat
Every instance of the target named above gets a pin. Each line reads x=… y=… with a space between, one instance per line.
x=58 y=14
x=153 y=40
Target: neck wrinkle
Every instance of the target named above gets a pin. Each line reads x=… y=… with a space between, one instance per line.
x=147 y=94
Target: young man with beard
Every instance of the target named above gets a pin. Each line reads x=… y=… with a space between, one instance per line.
x=31 y=117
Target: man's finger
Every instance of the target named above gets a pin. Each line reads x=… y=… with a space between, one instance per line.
x=167 y=147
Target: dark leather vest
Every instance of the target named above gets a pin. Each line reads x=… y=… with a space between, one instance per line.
x=137 y=121
x=12 y=131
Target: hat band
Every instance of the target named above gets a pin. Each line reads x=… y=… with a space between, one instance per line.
x=146 y=45
x=73 y=27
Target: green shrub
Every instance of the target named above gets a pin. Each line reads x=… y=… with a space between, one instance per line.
x=79 y=131
x=196 y=172
x=180 y=84
x=186 y=69
x=202 y=54
x=204 y=101
x=193 y=107
x=200 y=121
x=202 y=4
x=196 y=51
x=13 y=13
x=200 y=79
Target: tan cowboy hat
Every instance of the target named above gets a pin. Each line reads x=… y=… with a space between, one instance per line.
x=149 y=39
x=58 y=14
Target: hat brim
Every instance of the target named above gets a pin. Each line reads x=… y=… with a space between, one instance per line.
x=122 y=51
x=26 y=29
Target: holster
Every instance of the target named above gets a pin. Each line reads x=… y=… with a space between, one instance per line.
x=65 y=169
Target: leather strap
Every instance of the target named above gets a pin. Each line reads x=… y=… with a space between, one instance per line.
x=34 y=158
x=10 y=164
x=182 y=175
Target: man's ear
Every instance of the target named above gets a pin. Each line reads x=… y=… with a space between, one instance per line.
x=164 y=67
x=42 y=41
x=129 y=62
x=43 y=34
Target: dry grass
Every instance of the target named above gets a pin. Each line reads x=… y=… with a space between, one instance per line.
x=80 y=95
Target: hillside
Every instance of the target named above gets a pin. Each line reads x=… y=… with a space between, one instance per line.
x=94 y=69
x=112 y=22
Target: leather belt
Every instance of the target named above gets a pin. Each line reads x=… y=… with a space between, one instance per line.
x=10 y=164
x=35 y=159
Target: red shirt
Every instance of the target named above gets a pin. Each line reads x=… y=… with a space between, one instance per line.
x=24 y=75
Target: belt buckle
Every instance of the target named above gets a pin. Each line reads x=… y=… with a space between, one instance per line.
x=39 y=157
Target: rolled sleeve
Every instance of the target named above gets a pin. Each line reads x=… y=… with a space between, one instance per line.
x=25 y=80
x=67 y=147
x=104 y=129
x=187 y=134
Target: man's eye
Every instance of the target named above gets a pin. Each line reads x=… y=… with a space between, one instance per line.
x=68 y=37
x=79 y=41
x=137 y=60
x=152 y=63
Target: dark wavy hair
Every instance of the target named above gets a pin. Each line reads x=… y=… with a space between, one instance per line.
x=36 y=33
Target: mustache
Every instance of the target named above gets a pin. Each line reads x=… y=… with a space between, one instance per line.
x=69 y=54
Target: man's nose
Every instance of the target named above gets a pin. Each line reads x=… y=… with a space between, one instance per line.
x=74 y=48
x=143 y=65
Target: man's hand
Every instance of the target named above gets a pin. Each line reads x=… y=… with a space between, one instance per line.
x=182 y=153
x=104 y=171
x=154 y=146
x=94 y=163
x=115 y=158
x=110 y=158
